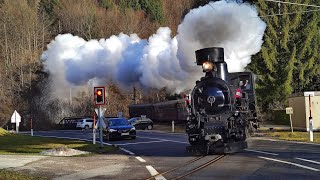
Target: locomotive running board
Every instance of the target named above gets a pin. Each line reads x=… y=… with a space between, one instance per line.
x=228 y=148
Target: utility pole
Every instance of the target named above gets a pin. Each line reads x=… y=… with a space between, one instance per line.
x=134 y=95
x=70 y=96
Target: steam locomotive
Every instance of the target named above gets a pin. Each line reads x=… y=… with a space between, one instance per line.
x=218 y=122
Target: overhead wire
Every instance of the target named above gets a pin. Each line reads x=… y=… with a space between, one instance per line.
x=292 y=3
x=298 y=12
x=289 y=13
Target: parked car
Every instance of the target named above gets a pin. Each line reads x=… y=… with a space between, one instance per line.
x=69 y=122
x=86 y=123
x=118 y=128
x=141 y=123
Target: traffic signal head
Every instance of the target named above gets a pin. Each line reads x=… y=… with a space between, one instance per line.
x=99 y=95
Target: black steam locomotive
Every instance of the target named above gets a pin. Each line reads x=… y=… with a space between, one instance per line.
x=218 y=120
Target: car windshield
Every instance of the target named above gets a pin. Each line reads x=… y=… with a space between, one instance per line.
x=117 y=122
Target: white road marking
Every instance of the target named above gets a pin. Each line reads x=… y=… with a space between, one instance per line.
x=161 y=132
x=153 y=172
x=138 y=143
x=307 y=160
x=279 y=140
x=262 y=152
x=127 y=151
x=286 y=162
x=74 y=133
x=164 y=140
x=140 y=159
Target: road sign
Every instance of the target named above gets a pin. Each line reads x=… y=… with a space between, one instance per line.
x=103 y=110
x=101 y=124
x=308 y=93
x=15 y=118
x=289 y=110
x=104 y=126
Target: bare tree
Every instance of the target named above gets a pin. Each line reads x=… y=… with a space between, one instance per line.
x=174 y=12
x=22 y=33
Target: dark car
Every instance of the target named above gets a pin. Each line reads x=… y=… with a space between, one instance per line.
x=119 y=128
x=141 y=123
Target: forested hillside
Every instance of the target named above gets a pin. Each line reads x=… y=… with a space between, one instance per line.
x=288 y=61
x=27 y=26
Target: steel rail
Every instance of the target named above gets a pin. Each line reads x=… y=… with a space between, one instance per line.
x=200 y=167
x=177 y=167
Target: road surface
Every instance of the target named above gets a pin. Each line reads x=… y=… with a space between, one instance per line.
x=264 y=159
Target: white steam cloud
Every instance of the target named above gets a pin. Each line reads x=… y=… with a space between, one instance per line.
x=161 y=61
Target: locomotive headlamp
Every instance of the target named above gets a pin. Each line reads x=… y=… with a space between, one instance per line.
x=207 y=66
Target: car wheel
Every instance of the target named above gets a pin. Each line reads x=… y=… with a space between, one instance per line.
x=149 y=127
x=86 y=127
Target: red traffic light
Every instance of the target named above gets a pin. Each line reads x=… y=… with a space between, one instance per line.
x=99 y=95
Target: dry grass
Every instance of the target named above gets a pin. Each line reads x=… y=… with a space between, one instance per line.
x=13 y=175
x=3 y=132
x=296 y=136
x=25 y=144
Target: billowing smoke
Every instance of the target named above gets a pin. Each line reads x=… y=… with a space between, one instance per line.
x=161 y=61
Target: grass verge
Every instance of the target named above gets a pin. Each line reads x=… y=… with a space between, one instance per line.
x=26 y=144
x=178 y=128
x=296 y=136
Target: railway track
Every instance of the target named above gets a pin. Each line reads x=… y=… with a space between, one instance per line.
x=193 y=170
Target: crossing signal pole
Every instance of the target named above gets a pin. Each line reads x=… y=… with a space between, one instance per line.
x=99 y=99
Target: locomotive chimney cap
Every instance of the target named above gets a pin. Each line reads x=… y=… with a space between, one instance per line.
x=213 y=54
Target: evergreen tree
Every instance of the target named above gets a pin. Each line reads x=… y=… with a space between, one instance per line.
x=106 y=3
x=48 y=6
x=135 y=4
x=154 y=9
x=289 y=58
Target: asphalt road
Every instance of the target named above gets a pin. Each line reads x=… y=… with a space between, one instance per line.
x=264 y=159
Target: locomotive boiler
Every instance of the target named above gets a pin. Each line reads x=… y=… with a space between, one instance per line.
x=217 y=121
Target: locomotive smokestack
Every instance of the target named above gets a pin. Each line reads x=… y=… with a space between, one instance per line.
x=222 y=70
x=214 y=55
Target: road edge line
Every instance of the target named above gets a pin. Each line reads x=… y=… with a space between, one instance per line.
x=291 y=163
x=154 y=172
x=262 y=152
x=307 y=160
x=281 y=140
x=140 y=159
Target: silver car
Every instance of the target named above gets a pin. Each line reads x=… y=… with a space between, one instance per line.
x=86 y=123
